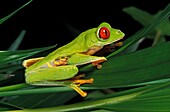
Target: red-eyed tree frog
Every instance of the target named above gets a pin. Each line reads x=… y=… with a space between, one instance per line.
x=60 y=68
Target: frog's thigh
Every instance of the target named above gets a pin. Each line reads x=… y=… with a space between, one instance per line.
x=53 y=73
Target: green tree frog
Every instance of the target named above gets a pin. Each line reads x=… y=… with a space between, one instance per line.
x=60 y=68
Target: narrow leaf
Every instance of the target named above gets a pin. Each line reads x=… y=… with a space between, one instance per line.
x=139 y=15
x=11 y=56
x=11 y=14
x=154 y=101
x=5 y=76
x=40 y=100
x=114 y=99
x=140 y=34
x=17 y=42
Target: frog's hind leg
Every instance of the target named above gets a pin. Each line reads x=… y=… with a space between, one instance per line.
x=59 y=76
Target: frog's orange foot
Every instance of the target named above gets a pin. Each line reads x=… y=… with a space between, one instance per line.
x=83 y=81
x=77 y=82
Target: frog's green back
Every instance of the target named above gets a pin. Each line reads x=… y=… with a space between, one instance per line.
x=79 y=44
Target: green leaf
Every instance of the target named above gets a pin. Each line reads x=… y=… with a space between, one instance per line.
x=2 y=20
x=17 y=42
x=142 y=67
x=144 y=18
x=154 y=101
x=149 y=28
x=5 y=76
x=139 y=15
x=164 y=27
x=40 y=100
x=147 y=94
x=13 y=87
x=11 y=56
x=9 y=68
x=6 y=90
x=5 y=106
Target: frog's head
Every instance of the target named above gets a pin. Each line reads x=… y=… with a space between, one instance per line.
x=104 y=34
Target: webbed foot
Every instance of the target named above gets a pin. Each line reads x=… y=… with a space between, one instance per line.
x=76 y=82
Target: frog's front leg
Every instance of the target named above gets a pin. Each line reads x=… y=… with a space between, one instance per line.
x=58 y=76
x=80 y=59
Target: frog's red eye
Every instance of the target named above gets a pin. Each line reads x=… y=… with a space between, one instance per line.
x=104 y=33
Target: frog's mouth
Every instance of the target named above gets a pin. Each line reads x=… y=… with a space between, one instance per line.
x=115 y=41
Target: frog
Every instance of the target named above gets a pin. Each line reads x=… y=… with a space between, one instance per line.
x=61 y=67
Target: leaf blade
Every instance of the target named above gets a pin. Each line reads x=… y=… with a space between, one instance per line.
x=134 y=68
x=2 y=20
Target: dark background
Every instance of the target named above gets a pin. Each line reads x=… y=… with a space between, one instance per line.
x=46 y=21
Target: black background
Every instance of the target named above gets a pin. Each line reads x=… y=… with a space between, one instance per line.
x=45 y=21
